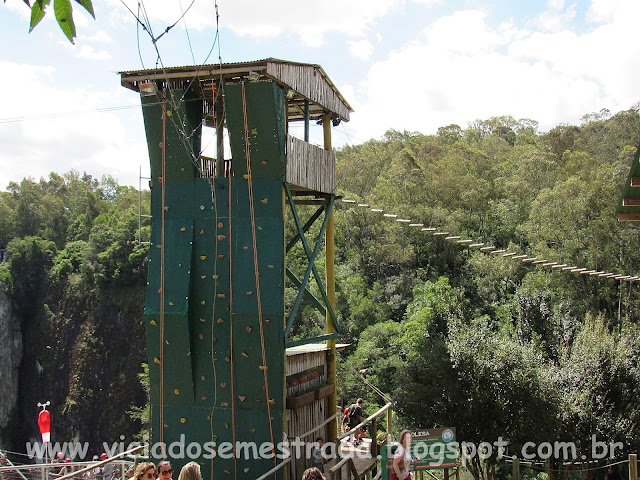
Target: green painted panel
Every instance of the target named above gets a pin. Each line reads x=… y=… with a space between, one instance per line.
x=629 y=191
x=177 y=359
x=265 y=102
x=268 y=198
x=183 y=130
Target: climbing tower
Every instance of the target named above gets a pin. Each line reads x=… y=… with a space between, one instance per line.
x=216 y=330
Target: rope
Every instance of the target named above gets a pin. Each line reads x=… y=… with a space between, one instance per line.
x=215 y=296
x=233 y=401
x=162 y=252
x=255 y=258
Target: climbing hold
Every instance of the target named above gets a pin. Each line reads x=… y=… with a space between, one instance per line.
x=156 y=360
x=227 y=359
x=245 y=248
x=272 y=401
x=264 y=368
x=171 y=303
x=246 y=176
x=271 y=266
x=220 y=320
x=221 y=237
x=265 y=200
x=220 y=257
x=248 y=329
x=160 y=178
x=202 y=320
x=203 y=302
x=203 y=277
x=222 y=295
x=254 y=131
x=183 y=229
x=227 y=471
x=203 y=398
x=176 y=391
x=246 y=470
x=264 y=163
x=201 y=336
x=182 y=169
x=242 y=398
x=201 y=232
x=166 y=426
x=252 y=430
x=215 y=437
x=249 y=293
x=267 y=321
x=202 y=207
x=153 y=322
x=169 y=113
x=202 y=378
x=215 y=277
x=166 y=209
x=203 y=257
x=220 y=224
x=179 y=265
x=183 y=420
x=244 y=355
x=224 y=404
x=259 y=228
x=223 y=385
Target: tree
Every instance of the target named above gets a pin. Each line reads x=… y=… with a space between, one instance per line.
x=63 y=12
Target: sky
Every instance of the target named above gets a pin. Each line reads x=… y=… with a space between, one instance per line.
x=413 y=65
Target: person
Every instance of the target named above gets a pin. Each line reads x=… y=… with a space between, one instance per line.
x=401 y=458
x=191 y=471
x=312 y=474
x=164 y=470
x=107 y=469
x=318 y=456
x=130 y=473
x=145 y=471
x=356 y=416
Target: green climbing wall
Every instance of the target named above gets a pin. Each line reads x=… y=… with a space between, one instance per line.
x=213 y=367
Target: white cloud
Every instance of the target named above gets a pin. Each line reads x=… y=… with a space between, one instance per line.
x=461 y=69
x=309 y=21
x=71 y=132
x=361 y=49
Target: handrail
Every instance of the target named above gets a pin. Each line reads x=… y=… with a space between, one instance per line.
x=319 y=426
x=366 y=420
x=275 y=469
x=103 y=462
x=17 y=470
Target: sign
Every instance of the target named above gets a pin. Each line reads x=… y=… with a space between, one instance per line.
x=434 y=448
x=430 y=448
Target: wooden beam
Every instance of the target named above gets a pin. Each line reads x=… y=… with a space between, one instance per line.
x=629 y=217
x=631 y=202
x=635 y=181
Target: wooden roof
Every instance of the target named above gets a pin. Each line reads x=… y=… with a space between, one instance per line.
x=306 y=82
x=629 y=207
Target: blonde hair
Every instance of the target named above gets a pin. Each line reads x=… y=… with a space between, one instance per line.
x=402 y=435
x=142 y=469
x=191 y=471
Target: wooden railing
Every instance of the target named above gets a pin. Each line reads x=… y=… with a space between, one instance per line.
x=347 y=465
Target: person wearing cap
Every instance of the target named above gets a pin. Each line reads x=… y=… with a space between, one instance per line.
x=107 y=470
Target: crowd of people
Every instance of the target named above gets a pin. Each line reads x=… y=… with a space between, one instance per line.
x=143 y=471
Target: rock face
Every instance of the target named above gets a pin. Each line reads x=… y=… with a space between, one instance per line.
x=10 y=358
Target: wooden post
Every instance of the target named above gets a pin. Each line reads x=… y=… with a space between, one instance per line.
x=515 y=475
x=445 y=474
x=219 y=112
x=633 y=466
x=389 y=433
x=332 y=427
x=306 y=120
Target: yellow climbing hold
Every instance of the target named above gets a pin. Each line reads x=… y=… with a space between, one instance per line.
x=203 y=302
x=153 y=322
x=246 y=176
x=202 y=378
x=171 y=303
x=263 y=368
x=183 y=229
x=183 y=420
x=203 y=257
x=242 y=398
x=176 y=391
x=244 y=355
x=254 y=131
x=265 y=200
x=169 y=113
x=156 y=360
